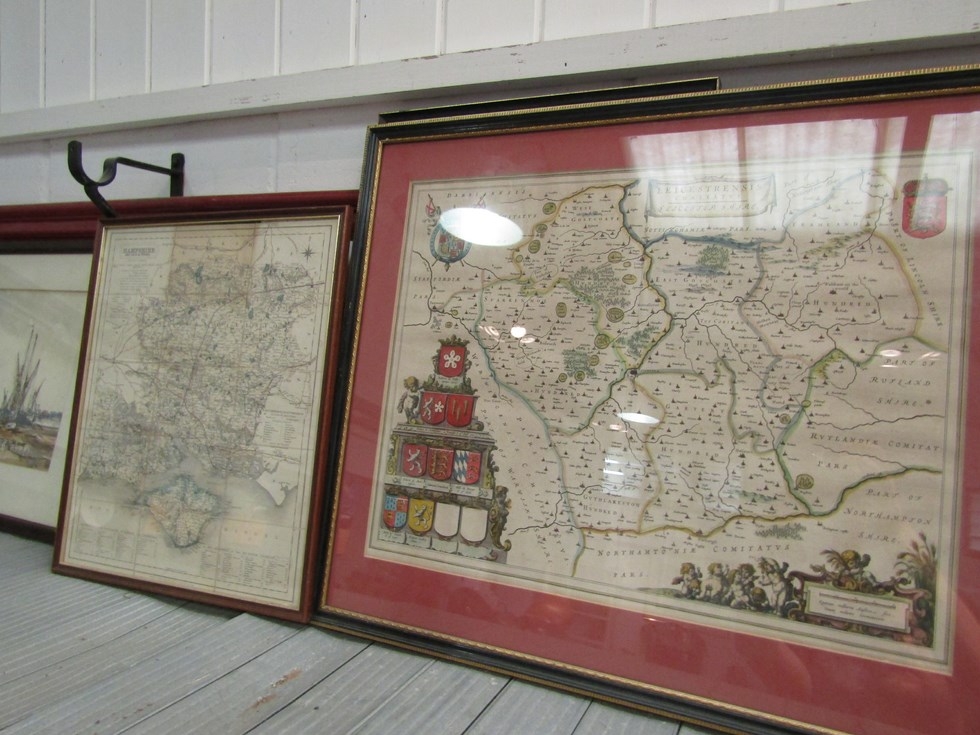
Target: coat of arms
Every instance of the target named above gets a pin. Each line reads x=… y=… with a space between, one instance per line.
x=924 y=207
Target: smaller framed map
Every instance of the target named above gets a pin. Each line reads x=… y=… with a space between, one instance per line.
x=672 y=401
x=201 y=428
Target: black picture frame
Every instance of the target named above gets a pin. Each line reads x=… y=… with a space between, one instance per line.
x=543 y=625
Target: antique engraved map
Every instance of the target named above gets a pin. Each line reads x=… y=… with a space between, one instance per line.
x=198 y=418
x=731 y=394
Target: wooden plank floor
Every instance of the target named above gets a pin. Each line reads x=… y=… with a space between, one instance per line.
x=80 y=657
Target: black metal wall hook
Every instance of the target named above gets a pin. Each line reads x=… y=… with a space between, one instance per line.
x=91 y=186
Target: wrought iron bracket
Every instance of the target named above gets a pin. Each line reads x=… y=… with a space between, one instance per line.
x=92 y=186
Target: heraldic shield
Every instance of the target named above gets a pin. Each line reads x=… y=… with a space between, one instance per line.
x=459 y=409
x=451 y=360
x=447 y=247
x=473 y=525
x=441 y=463
x=466 y=467
x=924 y=207
x=433 y=408
x=414 y=459
x=395 y=511
x=420 y=515
x=446 y=522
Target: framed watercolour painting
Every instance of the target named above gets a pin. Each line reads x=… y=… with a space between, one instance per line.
x=670 y=401
x=42 y=302
x=199 y=441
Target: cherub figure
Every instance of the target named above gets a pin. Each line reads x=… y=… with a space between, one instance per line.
x=853 y=573
x=742 y=580
x=773 y=577
x=758 y=601
x=689 y=580
x=848 y=570
x=411 y=399
x=716 y=586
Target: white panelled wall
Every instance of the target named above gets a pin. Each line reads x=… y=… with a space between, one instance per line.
x=275 y=95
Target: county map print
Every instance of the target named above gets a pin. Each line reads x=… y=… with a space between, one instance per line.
x=732 y=395
x=201 y=396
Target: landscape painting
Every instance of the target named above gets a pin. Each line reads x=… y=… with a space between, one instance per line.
x=28 y=431
x=42 y=305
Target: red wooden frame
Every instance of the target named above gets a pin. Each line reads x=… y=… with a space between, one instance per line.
x=73 y=221
x=79 y=220
x=71 y=227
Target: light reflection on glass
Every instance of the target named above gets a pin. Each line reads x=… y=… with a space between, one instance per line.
x=517 y=332
x=481 y=227
x=639 y=418
x=801 y=141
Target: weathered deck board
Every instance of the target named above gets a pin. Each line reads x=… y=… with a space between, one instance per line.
x=20 y=555
x=80 y=657
x=129 y=696
x=443 y=699
x=604 y=719
x=138 y=647
x=343 y=700
x=54 y=598
x=76 y=634
x=521 y=707
x=245 y=697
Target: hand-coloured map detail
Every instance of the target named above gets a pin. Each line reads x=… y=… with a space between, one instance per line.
x=201 y=403
x=751 y=369
x=440 y=492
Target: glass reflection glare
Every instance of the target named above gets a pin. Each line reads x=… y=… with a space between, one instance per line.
x=480 y=227
x=517 y=332
x=638 y=418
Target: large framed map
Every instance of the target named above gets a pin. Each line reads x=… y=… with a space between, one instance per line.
x=670 y=401
x=201 y=430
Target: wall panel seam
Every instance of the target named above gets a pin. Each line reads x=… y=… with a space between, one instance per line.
x=92 y=48
x=42 y=62
x=355 y=32
x=277 y=40
x=208 y=41
x=440 y=30
x=147 y=43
